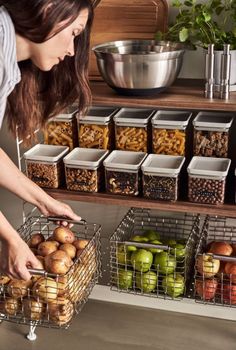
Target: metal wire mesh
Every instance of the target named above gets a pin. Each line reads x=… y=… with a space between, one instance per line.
x=215 y=268
x=157 y=270
x=48 y=299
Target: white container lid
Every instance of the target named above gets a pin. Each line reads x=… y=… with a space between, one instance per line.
x=171 y=119
x=164 y=165
x=67 y=115
x=98 y=115
x=213 y=121
x=46 y=153
x=88 y=158
x=133 y=116
x=124 y=160
x=209 y=167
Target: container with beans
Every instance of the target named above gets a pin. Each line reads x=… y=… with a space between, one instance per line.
x=206 y=179
x=169 y=132
x=122 y=172
x=83 y=169
x=211 y=134
x=132 y=129
x=62 y=129
x=161 y=176
x=95 y=130
x=44 y=165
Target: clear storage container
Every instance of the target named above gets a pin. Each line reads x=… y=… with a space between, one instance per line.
x=44 y=165
x=95 y=130
x=169 y=132
x=83 y=169
x=211 y=134
x=62 y=129
x=122 y=172
x=132 y=129
x=207 y=177
x=161 y=176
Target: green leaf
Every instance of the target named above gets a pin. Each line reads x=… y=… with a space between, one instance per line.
x=188 y=3
x=183 y=35
x=159 y=35
x=176 y=3
x=206 y=16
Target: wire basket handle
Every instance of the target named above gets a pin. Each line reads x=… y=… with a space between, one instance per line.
x=146 y=245
x=64 y=218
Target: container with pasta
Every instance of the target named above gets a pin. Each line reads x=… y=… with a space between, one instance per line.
x=62 y=129
x=132 y=129
x=169 y=132
x=95 y=130
x=83 y=169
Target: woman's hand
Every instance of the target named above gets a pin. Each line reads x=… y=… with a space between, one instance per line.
x=15 y=259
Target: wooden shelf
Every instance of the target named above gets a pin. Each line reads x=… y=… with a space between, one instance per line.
x=184 y=94
x=228 y=210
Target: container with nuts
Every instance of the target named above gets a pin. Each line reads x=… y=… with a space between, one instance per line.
x=161 y=176
x=83 y=169
x=207 y=178
x=211 y=134
x=44 y=165
x=132 y=129
x=169 y=132
x=122 y=172
x=62 y=129
x=95 y=130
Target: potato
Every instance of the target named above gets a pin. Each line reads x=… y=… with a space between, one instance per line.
x=58 y=262
x=63 y=235
x=69 y=249
x=80 y=243
x=41 y=260
x=4 y=279
x=11 y=306
x=45 y=288
x=66 y=285
x=34 y=250
x=18 y=288
x=47 y=247
x=60 y=311
x=32 y=309
x=35 y=240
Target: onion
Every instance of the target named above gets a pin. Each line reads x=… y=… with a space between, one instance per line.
x=32 y=309
x=18 y=288
x=45 y=288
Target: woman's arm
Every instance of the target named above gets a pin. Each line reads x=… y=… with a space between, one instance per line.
x=15 y=181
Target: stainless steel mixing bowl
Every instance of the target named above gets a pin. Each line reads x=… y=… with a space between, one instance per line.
x=139 y=67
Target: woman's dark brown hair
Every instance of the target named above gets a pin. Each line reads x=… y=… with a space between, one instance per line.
x=41 y=95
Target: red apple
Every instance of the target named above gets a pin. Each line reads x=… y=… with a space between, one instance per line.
x=234 y=248
x=206 y=265
x=230 y=269
x=222 y=248
x=229 y=294
x=206 y=288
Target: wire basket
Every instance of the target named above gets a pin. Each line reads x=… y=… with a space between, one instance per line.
x=215 y=268
x=151 y=268
x=49 y=299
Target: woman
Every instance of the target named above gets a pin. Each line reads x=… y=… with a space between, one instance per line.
x=44 y=46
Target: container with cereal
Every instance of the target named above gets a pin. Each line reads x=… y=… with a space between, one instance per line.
x=44 y=165
x=122 y=172
x=131 y=129
x=211 y=134
x=206 y=179
x=62 y=129
x=83 y=169
x=95 y=130
x=161 y=176
x=169 y=132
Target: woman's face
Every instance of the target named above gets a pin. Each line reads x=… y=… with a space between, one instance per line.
x=49 y=53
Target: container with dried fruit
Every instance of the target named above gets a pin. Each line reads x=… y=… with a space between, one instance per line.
x=95 y=130
x=206 y=179
x=211 y=134
x=44 y=165
x=122 y=172
x=161 y=176
x=62 y=129
x=132 y=129
x=169 y=132
x=84 y=170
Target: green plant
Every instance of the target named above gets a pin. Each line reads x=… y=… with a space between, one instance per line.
x=200 y=24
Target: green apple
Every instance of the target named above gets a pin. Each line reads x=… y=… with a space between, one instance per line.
x=155 y=250
x=165 y=263
x=151 y=235
x=173 y=285
x=178 y=250
x=142 y=260
x=146 y=281
x=138 y=238
x=170 y=242
x=123 y=256
x=125 y=279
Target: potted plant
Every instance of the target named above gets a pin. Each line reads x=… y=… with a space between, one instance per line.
x=199 y=24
